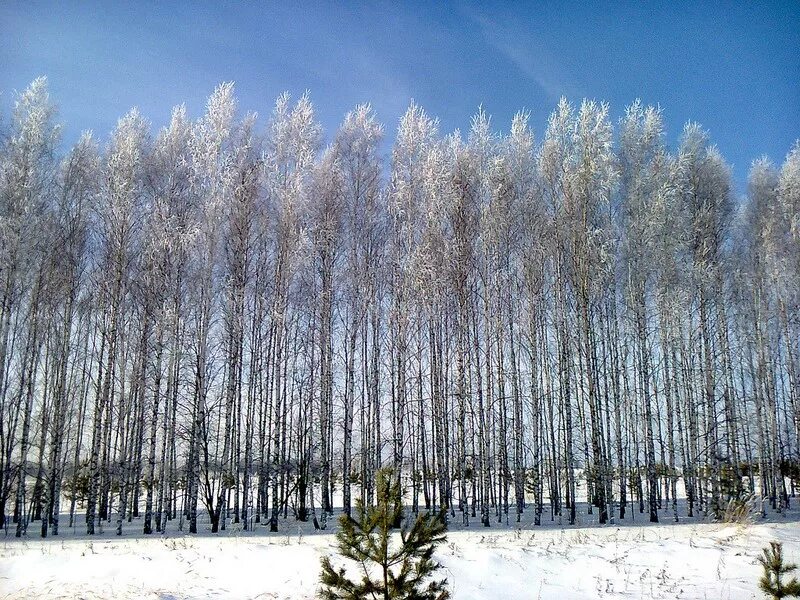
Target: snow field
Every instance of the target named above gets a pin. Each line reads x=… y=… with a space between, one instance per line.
x=665 y=561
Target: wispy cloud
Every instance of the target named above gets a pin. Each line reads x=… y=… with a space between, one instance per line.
x=526 y=54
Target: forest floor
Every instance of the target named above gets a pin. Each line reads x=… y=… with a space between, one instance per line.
x=691 y=559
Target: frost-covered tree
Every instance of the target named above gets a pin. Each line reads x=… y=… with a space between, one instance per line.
x=705 y=199
x=292 y=143
x=644 y=186
x=357 y=159
x=120 y=210
x=417 y=133
x=219 y=316
x=27 y=172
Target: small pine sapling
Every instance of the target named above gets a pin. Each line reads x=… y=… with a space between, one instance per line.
x=386 y=569
x=775 y=569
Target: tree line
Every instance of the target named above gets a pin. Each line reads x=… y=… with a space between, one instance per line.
x=226 y=318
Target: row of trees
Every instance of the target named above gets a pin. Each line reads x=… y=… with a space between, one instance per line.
x=226 y=318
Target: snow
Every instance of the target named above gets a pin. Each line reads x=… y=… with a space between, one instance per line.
x=691 y=560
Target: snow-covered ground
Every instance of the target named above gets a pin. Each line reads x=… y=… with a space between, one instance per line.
x=687 y=560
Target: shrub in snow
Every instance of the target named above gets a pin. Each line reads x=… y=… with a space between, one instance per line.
x=385 y=566
x=775 y=569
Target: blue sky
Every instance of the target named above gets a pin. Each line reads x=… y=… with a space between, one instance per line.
x=732 y=66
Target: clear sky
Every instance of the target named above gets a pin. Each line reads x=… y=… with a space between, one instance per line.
x=734 y=67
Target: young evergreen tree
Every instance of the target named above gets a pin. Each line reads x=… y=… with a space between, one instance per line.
x=390 y=570
x=775 y=569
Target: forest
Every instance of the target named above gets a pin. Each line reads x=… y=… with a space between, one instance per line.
x=233 y=320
